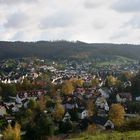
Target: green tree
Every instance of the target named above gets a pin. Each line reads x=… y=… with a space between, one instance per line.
x=135 y=88
x=40 y=129
x=32 y=104
x=45 y=126
x=8 y=90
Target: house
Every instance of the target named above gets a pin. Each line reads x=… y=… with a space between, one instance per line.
x=123 y=97
x=69 y=102
x=9 y=118
x=2 y=110
x=18 y=99
x=127 y=84
x=80 y=91
x=82 y=113
x=66 y=117
x=31 y=94
x=104 y=92
x=102 y=122
x=138 y=98
x=102 y=103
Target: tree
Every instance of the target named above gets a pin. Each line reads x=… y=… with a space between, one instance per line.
x=42 y=103
x=65 y=127
x=40 y=129
x=26 y=85
x=95 y=82
x=8 y=90
x=135 y=88
x=126 y=76
x=131 y=124
x=110 y=80
x=77 y=82
x=116 y=114
x=67 y=87
x=32 y=104
x=0 y=92
x=45 y=127
x=53 y=91
x=91 y=108
x=91 y=129
x=12 y=133
x=58 y=112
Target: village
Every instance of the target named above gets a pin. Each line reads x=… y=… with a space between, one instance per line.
x=72 y=94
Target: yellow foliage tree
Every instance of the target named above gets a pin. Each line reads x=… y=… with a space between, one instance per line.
x=12 y=133
x=116 y=114
x=67 y=87
x=42 y=103
x=91 y=129
x=112 y=81
x=77 y=82
x=95 y=82
x=90 y=108
x=58 y=112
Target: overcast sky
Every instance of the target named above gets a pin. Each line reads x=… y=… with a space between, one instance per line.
x=116 y=21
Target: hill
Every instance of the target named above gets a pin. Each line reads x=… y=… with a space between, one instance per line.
x=65 y=49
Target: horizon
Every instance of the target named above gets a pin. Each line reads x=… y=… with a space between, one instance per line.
x=72 y=41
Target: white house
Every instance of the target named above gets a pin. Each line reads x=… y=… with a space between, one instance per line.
x=82 y=114
x=2 y=110
x=66 y=117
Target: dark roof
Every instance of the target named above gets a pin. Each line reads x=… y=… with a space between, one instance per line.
x=99 y=120
x=81 y=110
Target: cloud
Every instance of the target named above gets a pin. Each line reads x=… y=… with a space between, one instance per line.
x=134 y=22
x=19 y=36
x=16 y=20
x=119 y=35
x=99 y=24
x=85 y=20
x=91 y=4
x=58 y=20
x=13 y=2
x=127 y=5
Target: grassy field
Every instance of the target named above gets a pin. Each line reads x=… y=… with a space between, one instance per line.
x=117 y=61
x=132 y=135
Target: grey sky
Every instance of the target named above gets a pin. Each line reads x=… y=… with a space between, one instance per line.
x=116 y=21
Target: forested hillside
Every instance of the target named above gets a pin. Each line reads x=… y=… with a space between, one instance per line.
x=65 y=49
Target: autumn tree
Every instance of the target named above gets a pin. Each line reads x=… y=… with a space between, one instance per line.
x=53 y=91
x=67 y=87
x=77 y=82
x=42 y=103
x=12 y=133
x=116 y=114
x=91 y=108
x=112 y=81
x=91 y=129
x=95 y=82
x=58 y=112
x=126 y=76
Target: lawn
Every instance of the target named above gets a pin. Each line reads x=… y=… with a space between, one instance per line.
x=132 y=135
